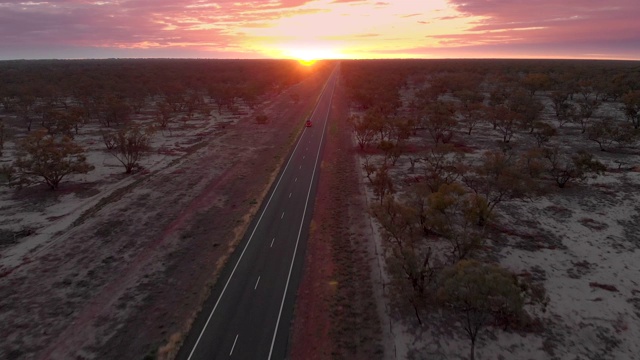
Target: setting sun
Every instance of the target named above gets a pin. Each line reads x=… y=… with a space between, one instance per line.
x=306 y=62
x=310 y=52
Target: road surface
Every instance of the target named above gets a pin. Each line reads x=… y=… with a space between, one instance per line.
x=249 y=313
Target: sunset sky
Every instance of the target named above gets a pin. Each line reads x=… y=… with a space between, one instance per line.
x=320 y=29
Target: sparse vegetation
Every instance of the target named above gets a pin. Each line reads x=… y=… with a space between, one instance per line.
x=129 y=145
x=460 y=195
x=49 y=157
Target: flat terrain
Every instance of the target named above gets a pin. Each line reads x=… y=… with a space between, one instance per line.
x=249 y=313
x=580 y=242
x=336 y=314
x=116 y=266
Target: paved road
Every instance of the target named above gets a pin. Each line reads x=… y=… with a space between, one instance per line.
x=249 y=313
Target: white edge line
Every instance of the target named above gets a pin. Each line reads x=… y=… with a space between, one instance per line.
x=295 y=249
x=257 y=282
x=251 y=237
x=234 y=345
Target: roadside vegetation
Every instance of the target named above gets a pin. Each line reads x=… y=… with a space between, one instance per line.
x=453 y=151
x=127 y=100
x=129 y=183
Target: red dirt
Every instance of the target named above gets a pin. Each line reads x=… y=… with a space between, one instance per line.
x=133 y=274
x=336 y=314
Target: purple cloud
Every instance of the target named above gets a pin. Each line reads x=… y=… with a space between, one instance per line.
x=131 y=23
x=550 y=21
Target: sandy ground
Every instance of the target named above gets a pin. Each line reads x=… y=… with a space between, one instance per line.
x=581 y=242
x=116 y=266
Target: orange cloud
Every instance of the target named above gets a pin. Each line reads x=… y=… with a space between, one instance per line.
x=319 y=28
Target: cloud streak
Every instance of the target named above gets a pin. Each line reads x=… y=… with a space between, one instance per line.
x=549 y=21
x=349 y=28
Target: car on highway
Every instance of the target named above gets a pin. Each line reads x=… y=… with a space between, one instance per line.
x=308 y=124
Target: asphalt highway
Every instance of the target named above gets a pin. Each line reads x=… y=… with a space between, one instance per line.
x=249 y=313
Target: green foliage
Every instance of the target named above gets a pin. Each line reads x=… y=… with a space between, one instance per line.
x=607 y=131
x=563 y=170
x=6 y=174
x=3 y=135
x=410 y=261
x=442 y=165
x=163 y=113
x=480 y=294
x=128 y=145
x=114 y=110
x=453 y=214
x=543 y=132
x=585 y=110
x=535 y=82
x=51 y=158
x=587 y=164
x=363 y=131
x=526 y=107
x=631 y=101
x=498 y=178
x=439 y=120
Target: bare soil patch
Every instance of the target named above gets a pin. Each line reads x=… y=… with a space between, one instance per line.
x=580 y=242
x=123 y=270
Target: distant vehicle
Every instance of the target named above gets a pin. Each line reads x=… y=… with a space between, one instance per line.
x=308 y=124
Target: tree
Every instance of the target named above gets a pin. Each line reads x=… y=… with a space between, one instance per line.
x=163 y=114
x=25 y=108
x=631 y=101
x=606 y=131
x=498 y=178
x=60 y=122
x=543 y=132
x=562 y=169
x=3 y=135
x=382 y=182
x=527 y=108
x=439 y=121
x=409 y=258
x=482 y=294
x=6 y=174
x=114 y=110
x=586 y=108
x=505 y=122
x=561 y=105
x=471 y=108
x=129 y=145
x=51 y=158
x=362 y=129
x=392 y=151
x=453 y=214
x=442 y=165
x=535 y=82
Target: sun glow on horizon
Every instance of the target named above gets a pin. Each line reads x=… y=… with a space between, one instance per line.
x=326 y=29
x=307 y=62
x=307 y=30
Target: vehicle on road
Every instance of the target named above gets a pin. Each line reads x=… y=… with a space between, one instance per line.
x=308 y=124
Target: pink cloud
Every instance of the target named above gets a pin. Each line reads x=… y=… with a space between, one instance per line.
x=198 y=26
x=549 y=21
x=132 y=23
